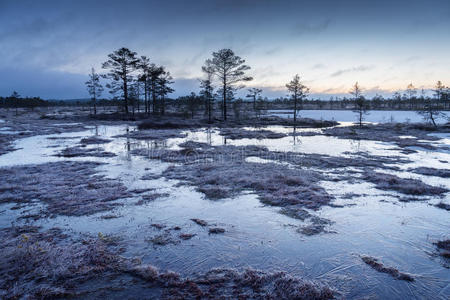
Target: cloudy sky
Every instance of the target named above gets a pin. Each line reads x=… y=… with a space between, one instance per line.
x=48 y=47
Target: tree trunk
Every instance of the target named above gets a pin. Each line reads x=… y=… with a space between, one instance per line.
x=360 y=118
x=295 y=109
x=125 y=95
x=224 y=108
x=154 y=97
x=146 y=96
x=209 y=110
x=432 y=119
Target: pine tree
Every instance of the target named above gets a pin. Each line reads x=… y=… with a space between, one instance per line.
x=121 y=65
x=298 y=92
x=230 y=70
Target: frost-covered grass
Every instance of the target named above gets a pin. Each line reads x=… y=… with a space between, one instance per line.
x=94 y=140
x=443 y=205
x=275 y=184
x=248 y=284
x=38 y=265
x=174 y=122
x=444 y=247
x=407 y=186
x=416 y=134
x=80 y=151
x=444 y=173
x=240 y=133
x=151 y=134
x=222 y=172
x=48 y=264
x=67 y=188
x=380 y=267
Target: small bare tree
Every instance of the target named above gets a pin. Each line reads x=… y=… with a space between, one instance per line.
x=360 y=103
x=94 y=88
x=254 y=93
x=439 y=90
x=411 y=91
x=15 y=99
x=298 y=91
x=431 y=110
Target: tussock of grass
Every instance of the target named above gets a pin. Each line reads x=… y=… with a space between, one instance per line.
x=200 y=222
x=77 y=151
x=163 y=239
x=444 y=173
x=216 y=230
x=94 y=140
x=375 y=264
x=186 y=236
x=444 y=247
x=407 y=186
x=150 y=134
x=240 y=133
x=443 y=205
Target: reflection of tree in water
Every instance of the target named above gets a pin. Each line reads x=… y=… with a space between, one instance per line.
x=208 y=136
x=154 y=145
x=355 y=145
x=296 y=139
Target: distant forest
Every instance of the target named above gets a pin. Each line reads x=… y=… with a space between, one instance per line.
x=138 y=86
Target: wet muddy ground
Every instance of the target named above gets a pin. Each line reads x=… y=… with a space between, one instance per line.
x=215 y=211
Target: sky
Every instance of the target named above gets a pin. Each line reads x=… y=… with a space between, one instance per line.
x=47 y=48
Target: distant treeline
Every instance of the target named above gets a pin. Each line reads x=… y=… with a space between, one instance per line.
x=194 y=102
x=378 y=102
x=14 y=102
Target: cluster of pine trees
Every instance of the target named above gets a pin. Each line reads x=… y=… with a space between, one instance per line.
x=141 y=85
x=135 y=80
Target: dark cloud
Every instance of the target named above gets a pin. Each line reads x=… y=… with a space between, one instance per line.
x=318 y=67
x=302 y=28
x=351 y=70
